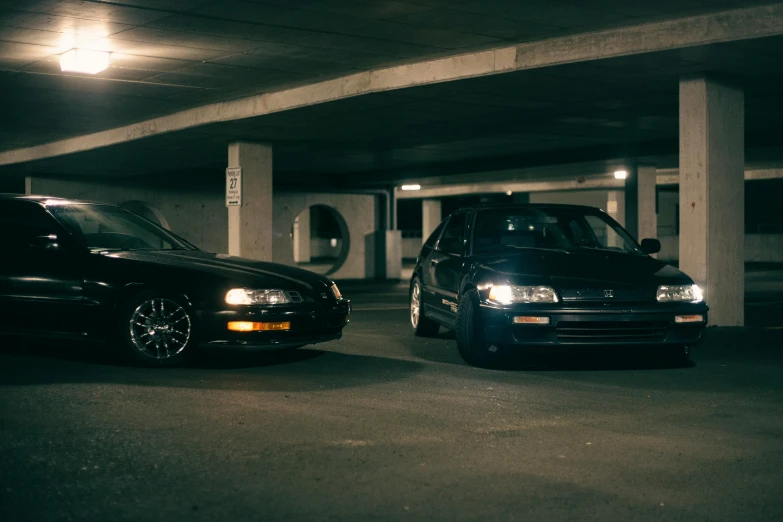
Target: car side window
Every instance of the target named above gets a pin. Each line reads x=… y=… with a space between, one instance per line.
x=435 y=235
x=22 y=222
x=451 y=241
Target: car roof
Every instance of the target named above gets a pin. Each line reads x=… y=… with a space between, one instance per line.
x=43 y=199
x=515 y=206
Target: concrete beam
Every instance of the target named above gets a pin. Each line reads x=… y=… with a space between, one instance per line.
x=672 y=176
x=727 y=26
x=502 y=187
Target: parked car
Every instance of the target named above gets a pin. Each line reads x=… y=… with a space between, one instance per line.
x=508 y=277
x=90 y=270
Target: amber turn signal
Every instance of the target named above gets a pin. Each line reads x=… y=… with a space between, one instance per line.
x=688 y=318
x=522 y=319
x=248 y=326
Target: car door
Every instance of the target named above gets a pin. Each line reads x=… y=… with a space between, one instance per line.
x=40 y=275
x=445 y=267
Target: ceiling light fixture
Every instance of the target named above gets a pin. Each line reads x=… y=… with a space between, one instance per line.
x=620 y=174
x=411 y=187
x=84 y=61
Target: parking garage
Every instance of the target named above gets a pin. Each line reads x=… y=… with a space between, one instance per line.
x=353 y=128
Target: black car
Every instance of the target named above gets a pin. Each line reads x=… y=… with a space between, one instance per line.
x=90 y=270
x=546 y=275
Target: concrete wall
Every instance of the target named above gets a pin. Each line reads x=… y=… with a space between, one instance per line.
x=358 y=212
x=411 y=246
x=668 y=202
x=321 y=247
x=201 y=217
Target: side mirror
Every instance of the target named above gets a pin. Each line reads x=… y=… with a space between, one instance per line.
x=450 y=245
x=651 y=246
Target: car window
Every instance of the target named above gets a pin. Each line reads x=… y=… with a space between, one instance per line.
x=516 y=228
x=562 y=228
x=105 y=227
x=456 y=228
x=22 y=222
x=451 y=240
x=606 y=236
x=435 y=235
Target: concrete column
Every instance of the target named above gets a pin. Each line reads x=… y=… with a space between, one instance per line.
x=250 y=225
x=615 y=207
x=712 y=195
x=647 y=201
x=631 y=200
x=392 y=222
x=431 y=217
x=302 y=237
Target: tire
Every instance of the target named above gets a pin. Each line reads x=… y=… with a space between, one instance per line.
x=471 y=342
x=422 y=326
x=156 y=330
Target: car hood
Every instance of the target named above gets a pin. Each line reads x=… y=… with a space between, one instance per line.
x=586 y=273
x=238 y=270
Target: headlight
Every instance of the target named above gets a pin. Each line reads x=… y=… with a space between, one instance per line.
x=508 y=294
x=244 y=296
x=679 y=293
x=336 y=292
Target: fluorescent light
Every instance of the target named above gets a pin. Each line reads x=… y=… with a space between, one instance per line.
x=84 y=61
x=411 y=187
x=620 y=174
x=508 y=193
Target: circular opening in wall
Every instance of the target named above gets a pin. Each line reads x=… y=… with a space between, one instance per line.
x=320 y=239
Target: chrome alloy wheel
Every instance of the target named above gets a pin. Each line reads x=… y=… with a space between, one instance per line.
x=415 y=303
x=160 y=328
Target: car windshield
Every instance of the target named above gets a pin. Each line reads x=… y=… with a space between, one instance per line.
x=104 y=227
x=554 y=228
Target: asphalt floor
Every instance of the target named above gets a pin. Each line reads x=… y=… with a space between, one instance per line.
x=381 y=425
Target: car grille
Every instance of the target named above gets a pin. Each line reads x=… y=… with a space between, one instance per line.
x=610 y=331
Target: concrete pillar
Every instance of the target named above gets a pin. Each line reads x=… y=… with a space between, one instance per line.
x=647 y=201
x=431 y=217
x=302 y=237
x=712 y=195
x=250 y=225
x=615 y=207
x=631 y=201
x=392 y=222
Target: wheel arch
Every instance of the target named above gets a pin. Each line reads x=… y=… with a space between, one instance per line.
x=131 y=289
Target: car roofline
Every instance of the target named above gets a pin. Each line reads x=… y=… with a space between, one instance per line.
x=42 y=199
x=515 y=206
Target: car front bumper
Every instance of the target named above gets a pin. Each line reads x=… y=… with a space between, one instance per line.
x=590 y=324
x=311 y=323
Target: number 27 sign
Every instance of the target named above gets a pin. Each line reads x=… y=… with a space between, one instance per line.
x=234 y=187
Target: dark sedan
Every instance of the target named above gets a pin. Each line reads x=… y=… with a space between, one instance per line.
x=546 y=275
x=89 y=270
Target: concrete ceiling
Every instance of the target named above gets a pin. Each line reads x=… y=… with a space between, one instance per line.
x=171 y=55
